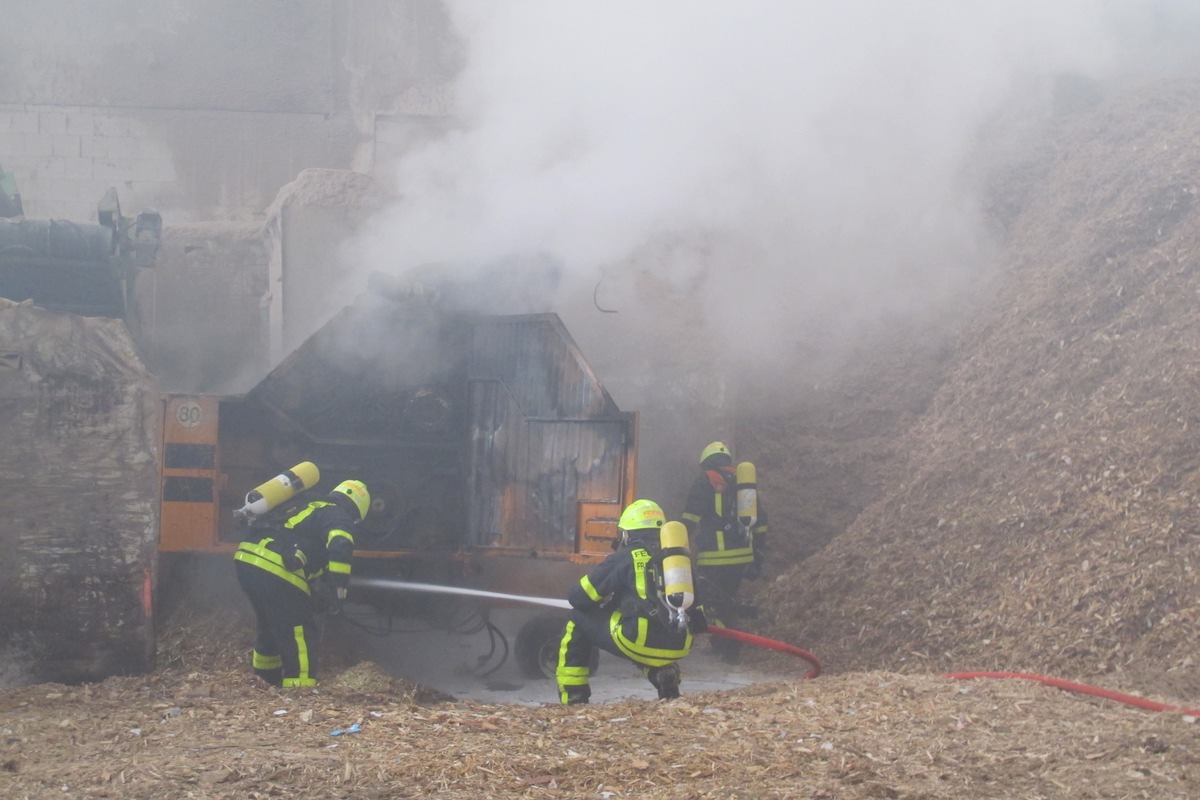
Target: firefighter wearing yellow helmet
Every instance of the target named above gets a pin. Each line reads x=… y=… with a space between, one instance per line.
x=623 y=606
x=727 y=527
x=299 y=568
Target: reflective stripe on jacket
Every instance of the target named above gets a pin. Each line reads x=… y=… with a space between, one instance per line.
x=717 y=537
x=322 y=531
x=313 y=542
x=259 y=554
x=626 y=583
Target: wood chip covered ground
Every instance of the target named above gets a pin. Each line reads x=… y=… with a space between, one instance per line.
x=216 y=734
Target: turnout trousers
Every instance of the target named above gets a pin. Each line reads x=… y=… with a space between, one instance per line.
x=285 y=640
x=717 y=587
x=587 y=630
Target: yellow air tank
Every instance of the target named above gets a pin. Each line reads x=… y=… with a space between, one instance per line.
x=747 y=494
x=677 y=566
x=280 y=489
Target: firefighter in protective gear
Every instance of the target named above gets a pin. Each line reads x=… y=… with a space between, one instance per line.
x=619 y=607
x=725 y=550
x=296 y=571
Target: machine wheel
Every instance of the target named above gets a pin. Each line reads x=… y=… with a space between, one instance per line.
x=537 y=647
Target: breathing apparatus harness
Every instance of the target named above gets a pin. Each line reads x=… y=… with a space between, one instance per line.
x=669 y=594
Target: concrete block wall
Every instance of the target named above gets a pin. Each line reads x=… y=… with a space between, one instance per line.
x=190 y=164
x=65 y=158
x=204 y=110
x=200 y=314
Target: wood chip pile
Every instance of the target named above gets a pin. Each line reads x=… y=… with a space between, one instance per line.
x=1047 y=517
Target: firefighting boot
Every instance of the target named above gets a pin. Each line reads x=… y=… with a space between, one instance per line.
x=666 y=680
x=268 y=668
x=270 y=677
x=575 y=695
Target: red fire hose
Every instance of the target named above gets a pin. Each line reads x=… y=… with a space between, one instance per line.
x=1058 y=683
x=1081 y=688
x=770 y=644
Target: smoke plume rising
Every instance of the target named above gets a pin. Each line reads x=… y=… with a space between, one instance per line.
x=770 y=161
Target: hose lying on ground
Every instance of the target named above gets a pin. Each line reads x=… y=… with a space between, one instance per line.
x=1081 y=688
x=770 y=644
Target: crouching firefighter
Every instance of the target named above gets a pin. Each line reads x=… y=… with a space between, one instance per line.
x=635 y=604
x=296 y=570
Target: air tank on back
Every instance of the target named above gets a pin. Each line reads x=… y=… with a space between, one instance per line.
x=747 y=494
x=280 y=489
x=677 y=566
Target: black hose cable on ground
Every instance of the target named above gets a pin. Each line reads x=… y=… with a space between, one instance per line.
x=495 y=635
x=1080 y=688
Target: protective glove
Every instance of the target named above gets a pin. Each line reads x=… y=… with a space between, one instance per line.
x=753 y=570
x=294 y=561
x=338 y=598
x=697 y=623
x=328 y=600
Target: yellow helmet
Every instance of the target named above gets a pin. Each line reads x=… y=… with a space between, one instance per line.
x=357 y=492
x=714 y=449
x=642 y=514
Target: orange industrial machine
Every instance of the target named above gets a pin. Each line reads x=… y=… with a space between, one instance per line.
x=495 y=458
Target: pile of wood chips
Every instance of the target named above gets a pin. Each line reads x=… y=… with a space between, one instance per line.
x=1041 y=512
x=362 y=735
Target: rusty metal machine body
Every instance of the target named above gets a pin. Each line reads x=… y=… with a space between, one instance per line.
x=494 y=456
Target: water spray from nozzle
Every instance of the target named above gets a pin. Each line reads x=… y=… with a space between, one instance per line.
x=433 y=588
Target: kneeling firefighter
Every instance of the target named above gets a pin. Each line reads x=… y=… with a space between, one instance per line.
x=634 y=604
x=298 y=569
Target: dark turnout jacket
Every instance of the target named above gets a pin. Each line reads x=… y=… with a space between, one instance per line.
x=625 y=587
x=716 y=537
x=316 y=542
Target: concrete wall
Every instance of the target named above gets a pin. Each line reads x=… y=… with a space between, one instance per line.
x=203 y=109
x=208 y=110
x=307 y=225
x=190 y=164
x=200 y=312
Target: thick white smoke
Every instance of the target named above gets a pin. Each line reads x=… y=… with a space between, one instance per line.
x=779 y=160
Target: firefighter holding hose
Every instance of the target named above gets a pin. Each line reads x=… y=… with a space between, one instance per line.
x=636 y=604
x=294 y=571
x=727 y=526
